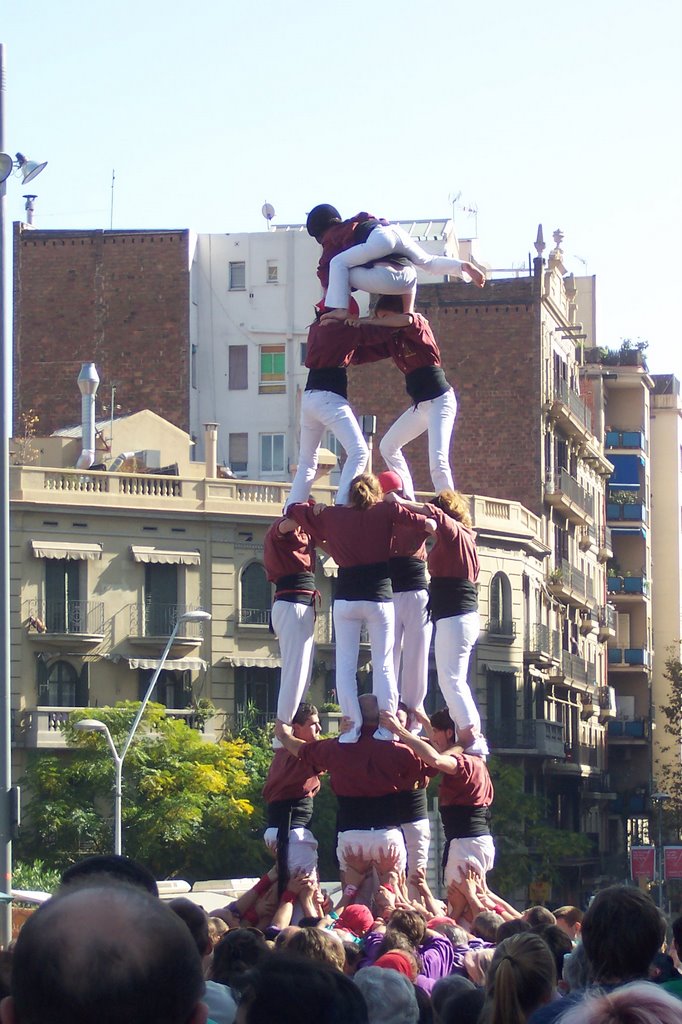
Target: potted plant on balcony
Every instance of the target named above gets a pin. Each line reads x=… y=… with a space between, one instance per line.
x=330 y=717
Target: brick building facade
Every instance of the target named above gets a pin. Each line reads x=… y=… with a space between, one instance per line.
x=119 y=299
x=491 y=359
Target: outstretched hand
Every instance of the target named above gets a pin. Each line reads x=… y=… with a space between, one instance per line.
x=389 y=721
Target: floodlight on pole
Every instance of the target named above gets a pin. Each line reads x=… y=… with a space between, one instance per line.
x=93 y=725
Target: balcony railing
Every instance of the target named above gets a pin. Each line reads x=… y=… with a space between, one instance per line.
x=324 y=629
x=629 y=657
x=607 y=617
x=568 y=485
x=635 y=729
x=542 y=642
x=253 y=616
x=633 y=512
x=574 y=667
x=572 y=400
x=76 y=617
x=40 y=728
x=501 y=630
x=149 y=619
x=605 y=542
x=538 y=735
x=626 y=439
x=627 y=584
x=571 y=581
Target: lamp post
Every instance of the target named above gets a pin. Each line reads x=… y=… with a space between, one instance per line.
x=29 y=170
x=659 y=799
x=92 y=725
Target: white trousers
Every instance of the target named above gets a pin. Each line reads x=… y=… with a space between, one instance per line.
x=371 y=843
x=437 y=416
x=302 y=853
x=320 y=411
x=384 y=279
x=455 y=638
x=478 y=854
x=417 y=838
x=294 y=625
x=349 y=618
x=390 y=240
x=413 y=631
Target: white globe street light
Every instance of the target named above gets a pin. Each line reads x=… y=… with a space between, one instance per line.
x=92 y=725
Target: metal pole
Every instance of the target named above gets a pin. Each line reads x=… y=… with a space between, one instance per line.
x=660 y=855
x=150 y=689
x=118 y=801
x=5 y=672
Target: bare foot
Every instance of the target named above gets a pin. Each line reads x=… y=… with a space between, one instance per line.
x=334 y=314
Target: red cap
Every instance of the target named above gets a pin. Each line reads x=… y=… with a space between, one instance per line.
x=390 y=481
x=440 y=920
x=356 y=919
x=396 y=961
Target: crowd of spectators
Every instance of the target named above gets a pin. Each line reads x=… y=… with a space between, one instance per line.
x=106 y=950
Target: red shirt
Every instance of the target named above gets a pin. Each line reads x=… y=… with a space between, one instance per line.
x=289 y=778
x=287 y=553
x=471 y=786
x=334 y=344
x=454 y=553
x=336 y=239
x=409 y=347
x=359 y=537
x=367 y=768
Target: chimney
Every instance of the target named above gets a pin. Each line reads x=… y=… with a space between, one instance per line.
x=211 y=449
x=88 y=382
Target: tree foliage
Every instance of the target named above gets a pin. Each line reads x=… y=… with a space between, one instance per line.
x=528 y=849
x=189 y=807
x=668 y=763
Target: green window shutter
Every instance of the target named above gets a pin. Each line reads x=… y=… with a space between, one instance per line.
x=83 y=686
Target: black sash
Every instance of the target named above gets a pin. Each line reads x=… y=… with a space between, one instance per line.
x=297 y=588
x=465 y=822
x=367 y=812
x=450 y=596
x=407 y=573
x=329 y=378
x=412 y=805
x=364 y=583
x=364 y=229
x=425 y=383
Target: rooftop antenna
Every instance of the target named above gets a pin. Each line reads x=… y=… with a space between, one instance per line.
x=470 y=208
x=111 y=215
x=268 y=211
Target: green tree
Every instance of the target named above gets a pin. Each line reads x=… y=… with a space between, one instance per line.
x=188 y=806
x=528 y=849
x=668 y=764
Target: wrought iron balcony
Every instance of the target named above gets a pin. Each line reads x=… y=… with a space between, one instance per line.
x=148 y=619
x=501 y=631
x=570 y=410
x=542 y=644
x=532 y=736
x=253 y=617
x=66 y=617
x=564 y=493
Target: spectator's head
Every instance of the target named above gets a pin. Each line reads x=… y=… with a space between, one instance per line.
x=354 y=954
x=569 y=919
x=389 y=996
x=236 y=953
x=484 y=925
x=356 y=918
x=454 y=505
x=637 y=1003
x=364 y=491
x=196 y=920
x=621 y=932
x=538 y=918
x=463 y=1008
x=446 y=926
x=476 y=964
x=320 y=219
x=216 y=929
x=410 y=923
x=315 y=944
x=577 y=973
x=662 y=968
x=388 y=304
x=104 y=955
x=401 y=959
x=677 y=935
x=306 y=722
x=110 y=867
x=521 y=979
x=445 y=988
x=559 y=945
x=288 y=989
x=513 y=927
x=389 y=481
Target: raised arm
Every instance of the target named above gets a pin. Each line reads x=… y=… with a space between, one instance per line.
x=422 y=748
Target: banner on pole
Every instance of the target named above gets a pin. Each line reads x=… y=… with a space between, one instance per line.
x=672 y=862
x=643 y=862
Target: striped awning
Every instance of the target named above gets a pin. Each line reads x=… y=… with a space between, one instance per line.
x=251 y=661
x=147 y=554
x=172 y=664
x=65 y=549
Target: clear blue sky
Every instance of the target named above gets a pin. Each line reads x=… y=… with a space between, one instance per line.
x=567 y=115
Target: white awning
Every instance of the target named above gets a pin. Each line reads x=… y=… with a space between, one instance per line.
x=251 y=661
x=65 y=549
x=502 y=667
x=172 y=664
x=146 y=554
x=329 y=566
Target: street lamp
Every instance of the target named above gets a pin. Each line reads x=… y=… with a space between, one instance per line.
x=659 y=799
x=92 y=725
x=29 y=172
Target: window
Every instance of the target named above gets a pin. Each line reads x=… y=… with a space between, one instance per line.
x=272 y=368
x=173 y=688
x=237 y=277
x=501 y=724
x=272 y=453
x=160 y=598
x=239 y=453
x=501 y=620
x=256 y=692
x=255 y=596
x=303 y=352
x=63 y=608
x=272 y=272
x=193 y=366
x=238 y=367
x=60 y=685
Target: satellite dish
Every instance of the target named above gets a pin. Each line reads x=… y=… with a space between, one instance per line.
x=268 y=211
x=6 y=165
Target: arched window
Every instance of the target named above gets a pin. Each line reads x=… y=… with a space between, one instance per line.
x=501 y=622
x=255 y=596
x=59 y=686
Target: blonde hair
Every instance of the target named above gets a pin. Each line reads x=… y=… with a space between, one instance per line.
x=638 y=1003
x=365 y=491
x=455 y=505
x=521 y=978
